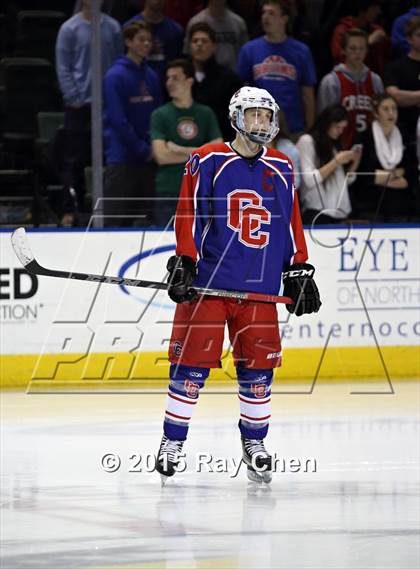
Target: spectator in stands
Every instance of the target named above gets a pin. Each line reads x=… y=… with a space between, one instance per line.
x=352 y=84
x=177 y=129
x=285 y=144
x=381 y=183
x=379 y=44
x=167 y=35
x=131 y=92
x=282 y=65
x=73 y=66
x=230 y=28
x=214 y=84
x=326 y=169
x=402 y=81
x=400 y=45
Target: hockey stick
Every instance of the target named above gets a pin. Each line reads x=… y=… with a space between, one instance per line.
x=24 y=254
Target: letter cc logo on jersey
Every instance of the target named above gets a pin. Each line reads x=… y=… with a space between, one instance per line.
x=246 y=214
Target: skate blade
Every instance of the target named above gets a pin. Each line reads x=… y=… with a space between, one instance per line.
x=163 y=480
x=267 y=477
x=253 y=476
x=258 y=477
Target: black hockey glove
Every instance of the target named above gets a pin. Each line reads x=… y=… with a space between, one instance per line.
x=182 y=272
x=299 y=284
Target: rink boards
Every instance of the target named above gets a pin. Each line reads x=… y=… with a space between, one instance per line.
x=57 y=330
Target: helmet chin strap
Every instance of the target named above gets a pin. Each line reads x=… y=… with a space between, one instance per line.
x=246 y=141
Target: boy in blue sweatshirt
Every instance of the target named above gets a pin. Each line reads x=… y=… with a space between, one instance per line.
x=131 y=92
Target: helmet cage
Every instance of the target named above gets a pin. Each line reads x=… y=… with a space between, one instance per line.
x=253 y=99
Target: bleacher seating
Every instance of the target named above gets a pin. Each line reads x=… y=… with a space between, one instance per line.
x=36 y=33
x=29 y=86
x=22 y=200
x=49 y=149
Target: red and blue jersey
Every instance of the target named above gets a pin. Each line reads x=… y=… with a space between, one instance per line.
x=239 y=218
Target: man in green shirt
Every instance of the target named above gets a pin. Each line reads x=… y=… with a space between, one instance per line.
x=176 y=129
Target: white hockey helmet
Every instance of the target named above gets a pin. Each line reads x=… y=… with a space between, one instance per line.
x=250 y=98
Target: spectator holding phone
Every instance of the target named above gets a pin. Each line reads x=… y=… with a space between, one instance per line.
x=325 y=169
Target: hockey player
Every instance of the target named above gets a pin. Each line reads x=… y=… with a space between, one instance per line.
x=238 y=227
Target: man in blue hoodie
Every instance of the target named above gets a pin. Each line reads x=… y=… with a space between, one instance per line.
x=131 y=92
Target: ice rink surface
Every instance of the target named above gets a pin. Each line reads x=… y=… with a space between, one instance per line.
x=353 y=504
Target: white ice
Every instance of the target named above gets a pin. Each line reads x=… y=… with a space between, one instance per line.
x=359 y=509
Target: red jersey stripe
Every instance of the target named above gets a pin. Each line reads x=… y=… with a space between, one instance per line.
x=177 y=416
x=255 y=418
x=182 y=400
x=254 y=402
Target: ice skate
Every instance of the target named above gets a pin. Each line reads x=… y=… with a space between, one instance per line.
x=257 y=459
x=168 y=458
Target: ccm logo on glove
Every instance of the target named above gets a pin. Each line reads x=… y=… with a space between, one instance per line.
x=299 y=273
